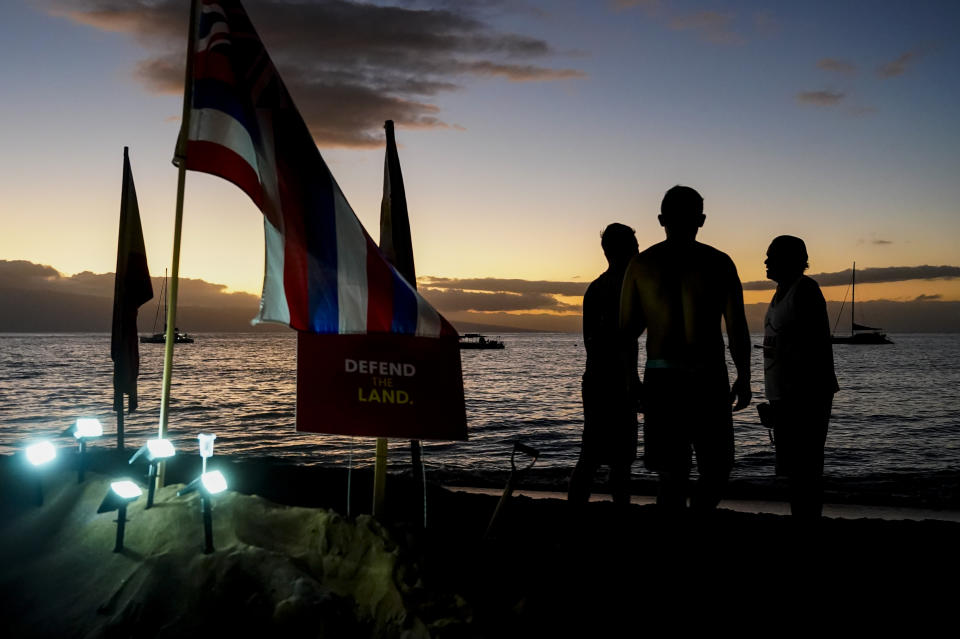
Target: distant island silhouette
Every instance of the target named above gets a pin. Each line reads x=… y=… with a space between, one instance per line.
x=36 y=298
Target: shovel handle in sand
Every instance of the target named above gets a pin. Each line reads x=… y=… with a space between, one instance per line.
x=532 y=453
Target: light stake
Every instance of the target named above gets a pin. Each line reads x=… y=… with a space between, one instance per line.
x=84 y=429
x=121 y=494
x=208 y=484
x=40 y=454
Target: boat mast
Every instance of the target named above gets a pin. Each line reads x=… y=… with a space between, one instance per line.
x=853 y=295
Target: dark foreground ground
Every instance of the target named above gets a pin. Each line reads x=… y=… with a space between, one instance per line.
x=548 y=570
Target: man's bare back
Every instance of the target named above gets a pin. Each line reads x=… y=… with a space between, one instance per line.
x=678 y=292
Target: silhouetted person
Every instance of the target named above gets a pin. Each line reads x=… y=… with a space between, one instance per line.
x=609 y=394
x=798 y=373
x=678 y=291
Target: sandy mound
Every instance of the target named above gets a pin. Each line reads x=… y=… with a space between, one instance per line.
x=275 y=568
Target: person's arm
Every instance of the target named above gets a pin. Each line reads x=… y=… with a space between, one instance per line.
x=632 y=325
x=632 y=320
x=738 y=333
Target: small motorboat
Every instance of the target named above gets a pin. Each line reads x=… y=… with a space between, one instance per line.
x=476 y=340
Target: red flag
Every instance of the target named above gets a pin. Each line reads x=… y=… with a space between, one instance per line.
x=131 y=289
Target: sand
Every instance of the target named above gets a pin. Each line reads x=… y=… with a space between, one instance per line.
x=288 y=561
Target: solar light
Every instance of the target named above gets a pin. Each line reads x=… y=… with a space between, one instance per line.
x=154 y=450
x=214 y=482
x=206 y=447
x=208 y=484
x=83 y=429
x=121 y=494
x=40 y=454
x=88 y=427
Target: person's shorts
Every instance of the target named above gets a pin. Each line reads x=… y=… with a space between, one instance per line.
x=609 y=424
x=687 y=411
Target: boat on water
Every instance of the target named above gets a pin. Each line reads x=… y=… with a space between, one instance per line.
x=476 y=341
x=859 y=333
x=179 y=337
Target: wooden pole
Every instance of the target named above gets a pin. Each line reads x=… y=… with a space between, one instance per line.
x=120 y=425
x=180 y=162
x=380 y=478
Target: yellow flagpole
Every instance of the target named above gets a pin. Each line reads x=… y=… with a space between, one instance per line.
x=179 y=161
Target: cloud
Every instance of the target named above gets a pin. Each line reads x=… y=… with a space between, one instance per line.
x=838 y=66
x=499 y=285
x=451 y=300
x=23 y=273
x=712 y=26
x=871 y=276
x=900 y=65
x=822 y=98
x=927 y=298
x=496 y=294
x=27 y=276
x=349 y=65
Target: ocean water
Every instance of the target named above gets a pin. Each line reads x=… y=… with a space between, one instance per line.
x=897 y=414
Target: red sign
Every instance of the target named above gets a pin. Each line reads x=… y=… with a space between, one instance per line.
x=380 y=385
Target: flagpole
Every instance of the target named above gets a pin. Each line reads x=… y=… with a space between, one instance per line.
x=179 y=161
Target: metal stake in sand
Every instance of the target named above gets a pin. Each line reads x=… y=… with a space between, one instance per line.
x=180 y=161
x=121 y=494
x=40 y=455
x=84 y=429
x=511 y=480
x=209 y=484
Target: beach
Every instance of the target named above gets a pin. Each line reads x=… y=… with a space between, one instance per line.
x=287 y=558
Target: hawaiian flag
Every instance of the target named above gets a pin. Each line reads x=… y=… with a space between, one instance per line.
x=324 y=274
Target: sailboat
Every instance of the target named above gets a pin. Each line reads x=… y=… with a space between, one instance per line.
x=859 y=334
x=179 y=337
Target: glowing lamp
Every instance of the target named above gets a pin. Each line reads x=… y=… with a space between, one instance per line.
x=126 y=490
x=214 y=482
x=154 y=450
x=206 y=444
x=82 y=430
x=41 y=453
x=87 y=427
x=121 y=494
x=207 y=484
x=206 y=447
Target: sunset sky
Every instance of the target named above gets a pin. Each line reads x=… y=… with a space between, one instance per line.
x=524 y=128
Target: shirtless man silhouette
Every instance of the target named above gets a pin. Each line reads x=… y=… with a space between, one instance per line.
x=677 y=291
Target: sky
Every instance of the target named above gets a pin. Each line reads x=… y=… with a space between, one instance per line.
x=524 y=128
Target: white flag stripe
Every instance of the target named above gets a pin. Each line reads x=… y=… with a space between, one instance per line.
x=273 y=301
x=351 y=266
x=428 y=320
x=212 y=125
